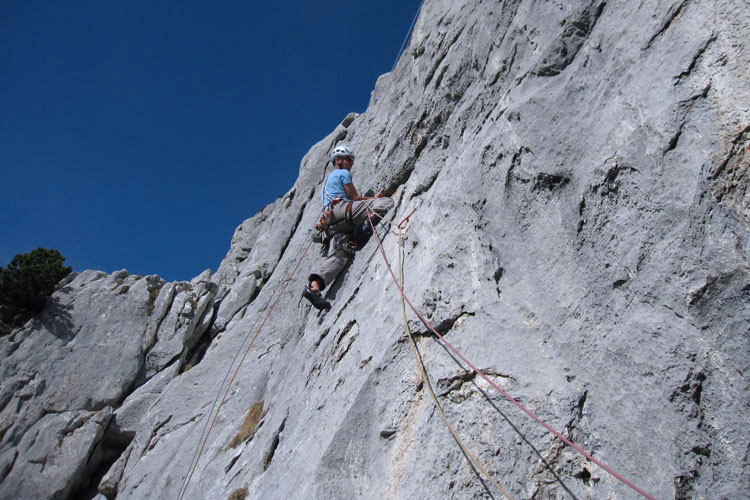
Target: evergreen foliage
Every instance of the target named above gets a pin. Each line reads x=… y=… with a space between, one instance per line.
x=26 y=284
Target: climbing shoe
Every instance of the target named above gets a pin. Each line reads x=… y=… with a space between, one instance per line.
x=315 y=298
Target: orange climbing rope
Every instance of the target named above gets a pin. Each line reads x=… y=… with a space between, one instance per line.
x=424 y=320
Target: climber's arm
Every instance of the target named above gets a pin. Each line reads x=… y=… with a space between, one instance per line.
x=352 y=194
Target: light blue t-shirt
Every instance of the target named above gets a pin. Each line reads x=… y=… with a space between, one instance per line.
x=334 y=186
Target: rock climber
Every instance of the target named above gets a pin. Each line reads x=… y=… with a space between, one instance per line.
x=345 y=220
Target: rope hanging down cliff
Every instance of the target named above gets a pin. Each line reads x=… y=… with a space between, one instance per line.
x=212 y=421
x=207 y=432
x=492 y=383
x=423 y=371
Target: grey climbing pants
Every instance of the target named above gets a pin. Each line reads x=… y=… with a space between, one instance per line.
x=337 y=260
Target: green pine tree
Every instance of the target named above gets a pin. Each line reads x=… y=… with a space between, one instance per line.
x=26 y=284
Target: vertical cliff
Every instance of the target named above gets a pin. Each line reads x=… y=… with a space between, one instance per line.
x=582 y=238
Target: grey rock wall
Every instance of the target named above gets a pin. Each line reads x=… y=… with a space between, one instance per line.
x=582 y=238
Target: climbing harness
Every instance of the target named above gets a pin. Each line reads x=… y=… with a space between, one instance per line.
x=490 y=381
x=344 y=224
x=328 y=222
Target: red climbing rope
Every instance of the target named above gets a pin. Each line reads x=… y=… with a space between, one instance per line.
x=493 y=384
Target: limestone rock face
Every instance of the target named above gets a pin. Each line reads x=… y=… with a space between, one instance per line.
x=75 y=372
x=581 y=176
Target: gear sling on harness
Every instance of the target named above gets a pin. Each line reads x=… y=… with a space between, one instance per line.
x=328 y=221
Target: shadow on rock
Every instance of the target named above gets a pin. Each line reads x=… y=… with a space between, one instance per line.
x=58 y=320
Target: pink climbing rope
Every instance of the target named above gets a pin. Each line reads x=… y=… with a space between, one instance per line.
x=493 y=384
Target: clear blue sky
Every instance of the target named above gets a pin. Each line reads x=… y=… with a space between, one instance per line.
x=138 y=135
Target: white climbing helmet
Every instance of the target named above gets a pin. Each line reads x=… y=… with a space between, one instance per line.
x=342 y=150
